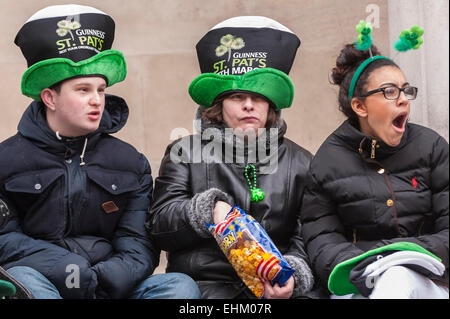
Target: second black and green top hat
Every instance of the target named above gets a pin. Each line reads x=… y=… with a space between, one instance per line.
x=246 y=54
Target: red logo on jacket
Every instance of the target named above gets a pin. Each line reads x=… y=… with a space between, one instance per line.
x=414 y=182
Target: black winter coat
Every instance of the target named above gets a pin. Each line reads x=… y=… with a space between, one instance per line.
x=200 y=256
x=63 y=214
x=355 y=203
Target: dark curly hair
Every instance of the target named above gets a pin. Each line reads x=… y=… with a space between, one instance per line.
x=347 y=62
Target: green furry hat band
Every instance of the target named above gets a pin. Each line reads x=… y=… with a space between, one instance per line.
x=110 y=64
x=275 y=85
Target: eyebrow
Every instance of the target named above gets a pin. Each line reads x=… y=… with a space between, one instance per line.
x=89 y=84
x=389 y=83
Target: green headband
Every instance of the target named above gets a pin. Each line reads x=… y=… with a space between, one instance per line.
x=358 y=72
x=408 y=39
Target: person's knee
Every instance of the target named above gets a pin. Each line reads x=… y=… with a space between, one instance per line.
x=184 y=287
x=19 y=272
x=35 y=282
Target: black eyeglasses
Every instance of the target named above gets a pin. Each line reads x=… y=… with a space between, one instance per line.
x=393 y=92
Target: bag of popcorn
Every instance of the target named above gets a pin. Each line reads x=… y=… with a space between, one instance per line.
x=250 y=251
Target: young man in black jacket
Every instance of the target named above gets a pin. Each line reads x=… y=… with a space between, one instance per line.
x=77 y=198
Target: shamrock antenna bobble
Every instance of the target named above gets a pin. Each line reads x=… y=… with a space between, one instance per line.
x=409 y=39
x=364 y=41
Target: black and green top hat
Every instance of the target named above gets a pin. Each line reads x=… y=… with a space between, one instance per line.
x=248 y=54
x=65 y=41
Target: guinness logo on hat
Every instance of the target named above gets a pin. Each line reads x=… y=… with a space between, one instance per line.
x=80 y=35
x=242 y=44
x=65 y=31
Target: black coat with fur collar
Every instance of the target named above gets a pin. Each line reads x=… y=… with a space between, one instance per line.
x=355 y=203
x=189 y=185
x=59 y=214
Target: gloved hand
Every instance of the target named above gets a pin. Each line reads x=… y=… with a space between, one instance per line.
x=362 y=282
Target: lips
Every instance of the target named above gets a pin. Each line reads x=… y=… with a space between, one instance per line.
x=399 y=122
x=94 y=115
x=249 y=119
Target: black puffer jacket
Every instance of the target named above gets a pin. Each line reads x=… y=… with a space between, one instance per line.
x=356 y=203
x=184 y=198
x=59 y=212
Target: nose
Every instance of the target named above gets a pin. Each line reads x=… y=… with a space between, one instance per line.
x=95 y=99
x=248 y=104
x=402 y=99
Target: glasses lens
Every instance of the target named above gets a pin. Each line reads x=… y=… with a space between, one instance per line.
x=391 y=92
x=410 y=92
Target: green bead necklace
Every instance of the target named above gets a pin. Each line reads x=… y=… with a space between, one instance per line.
x=256 y=193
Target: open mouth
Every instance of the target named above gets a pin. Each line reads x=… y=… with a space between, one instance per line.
x=400 y=121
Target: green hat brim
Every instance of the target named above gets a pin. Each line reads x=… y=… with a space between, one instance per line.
x=109 y=63
x=339 y=280
x=271 y=83
x=7 y=289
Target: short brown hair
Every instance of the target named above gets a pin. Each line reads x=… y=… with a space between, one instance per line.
x=214 y=113
x=57 y=86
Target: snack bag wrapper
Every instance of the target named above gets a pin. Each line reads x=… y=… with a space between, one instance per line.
x=250 y=251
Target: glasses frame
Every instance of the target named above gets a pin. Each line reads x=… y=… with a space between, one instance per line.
x=400 y=90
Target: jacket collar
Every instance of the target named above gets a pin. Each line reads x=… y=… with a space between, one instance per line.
x=272 y=138
x=369 y=147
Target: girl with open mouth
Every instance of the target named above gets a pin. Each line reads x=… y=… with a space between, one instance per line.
x=378 y=191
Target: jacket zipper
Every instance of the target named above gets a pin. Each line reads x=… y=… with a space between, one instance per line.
x=386 y=177
x=372 y=152
x=69 y=224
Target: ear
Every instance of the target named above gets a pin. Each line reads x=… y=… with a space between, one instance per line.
x=48 y=98
x=359 y=107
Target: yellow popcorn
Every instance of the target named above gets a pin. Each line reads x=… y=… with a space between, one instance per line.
x=253 y=261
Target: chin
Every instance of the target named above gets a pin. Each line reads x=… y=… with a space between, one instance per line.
x=393 y=142
x=248 y=129
x=91 y=129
